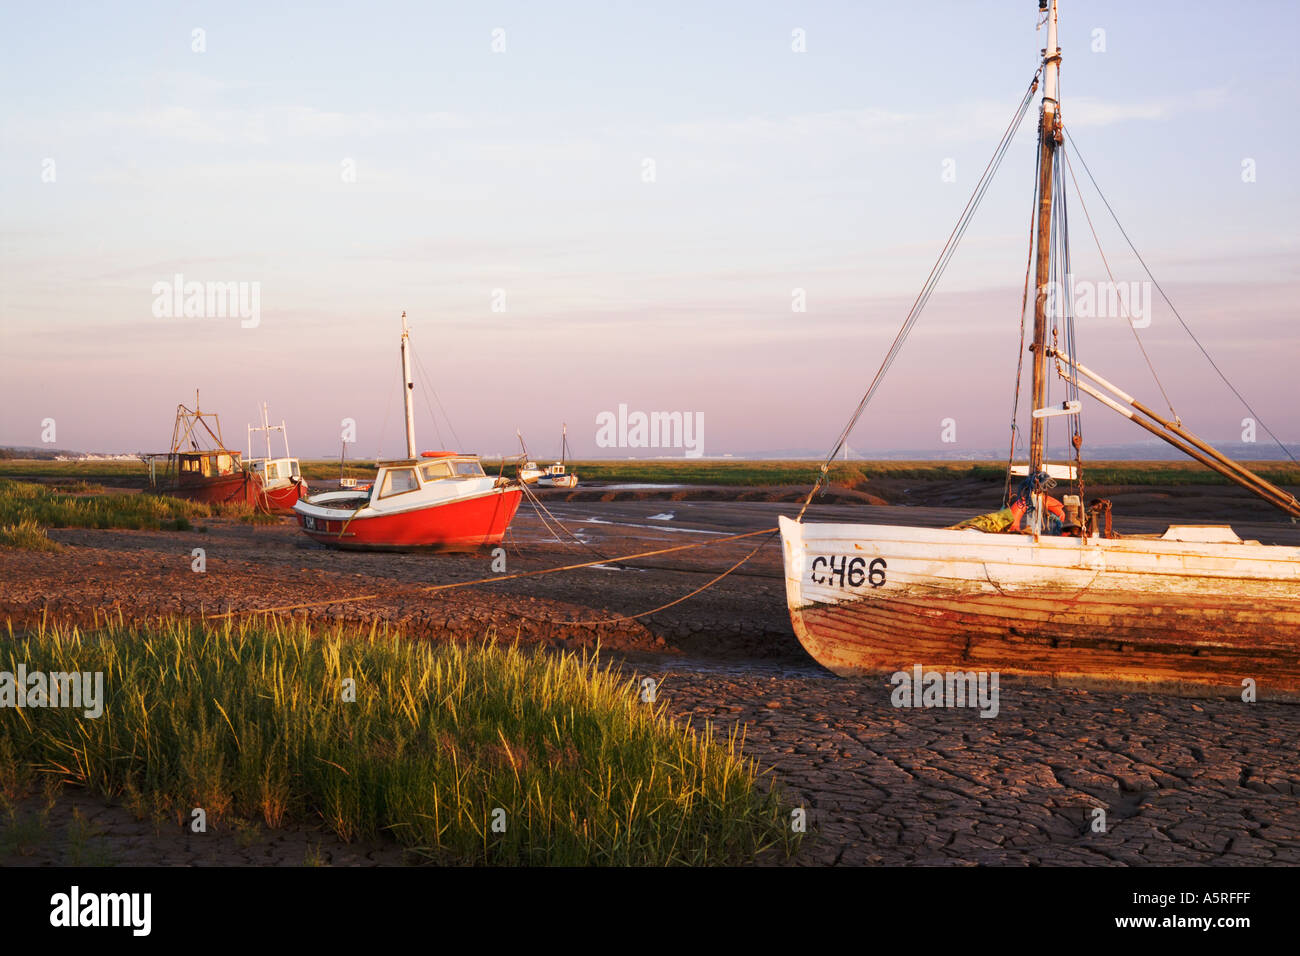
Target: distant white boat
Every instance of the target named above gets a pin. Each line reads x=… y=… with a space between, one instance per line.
x=555 y=476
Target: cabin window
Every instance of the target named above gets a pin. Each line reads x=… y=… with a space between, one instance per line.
x=272 y=470
x=469 y=469
x=435 y=470
x=190 y=465
x=293 y=463
x=398 y=481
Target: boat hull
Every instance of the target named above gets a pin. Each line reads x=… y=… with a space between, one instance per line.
x=281 y=499
x=1124 y=614
x=460 y=524
x=222 y=489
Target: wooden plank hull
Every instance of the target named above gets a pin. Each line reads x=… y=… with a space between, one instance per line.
x=1132 y=614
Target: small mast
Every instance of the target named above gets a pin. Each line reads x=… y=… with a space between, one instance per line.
x=1049 y=133
x=407 y=388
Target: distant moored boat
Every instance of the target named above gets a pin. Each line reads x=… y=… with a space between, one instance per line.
x=199 y=466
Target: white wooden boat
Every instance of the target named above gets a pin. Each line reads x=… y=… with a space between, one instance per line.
x=528 y=470
x=1196 y=610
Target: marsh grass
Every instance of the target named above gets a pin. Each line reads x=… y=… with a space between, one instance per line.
x=858 y=474
x=739 y=471
x=26 y=534
x=249 y=722
x=27 y=508
x=26 y=501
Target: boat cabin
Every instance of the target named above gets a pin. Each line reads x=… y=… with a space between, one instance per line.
x=410 y=474
x=195 y=466
x=273 y=470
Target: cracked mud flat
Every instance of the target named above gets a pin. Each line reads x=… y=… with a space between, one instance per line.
x=1181 y=781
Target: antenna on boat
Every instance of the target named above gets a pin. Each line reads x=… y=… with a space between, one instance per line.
x=407 y=388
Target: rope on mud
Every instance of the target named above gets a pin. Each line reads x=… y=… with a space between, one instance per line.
x=544 y=512
x=685 y=597
x=509 y=577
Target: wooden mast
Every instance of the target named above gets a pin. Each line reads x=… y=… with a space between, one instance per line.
x=407 y=388
x=1048 y=139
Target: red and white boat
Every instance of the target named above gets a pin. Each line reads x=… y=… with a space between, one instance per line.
x=440 y=500
x=281 y=478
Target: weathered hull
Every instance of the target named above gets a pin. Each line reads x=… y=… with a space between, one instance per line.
x=459 y=524
x=225 y=489
x=1133 y=614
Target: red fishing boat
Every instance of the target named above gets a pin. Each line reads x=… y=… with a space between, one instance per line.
x=212 y=475
x=281 y=478
x=440 y=500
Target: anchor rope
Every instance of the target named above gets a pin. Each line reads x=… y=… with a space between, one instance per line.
x=429 y=589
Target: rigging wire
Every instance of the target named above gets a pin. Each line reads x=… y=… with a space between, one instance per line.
x=433 y=391
x=1115 y=285
x=1024 y=312
x=936 y=271
x=427 y=387
x=1061 y=225
x=1286 y=451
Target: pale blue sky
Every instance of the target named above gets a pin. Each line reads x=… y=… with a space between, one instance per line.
x=522 y=171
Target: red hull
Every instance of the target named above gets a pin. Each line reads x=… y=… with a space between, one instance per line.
x=281 y=500
x=220 y=490
x=457 y=525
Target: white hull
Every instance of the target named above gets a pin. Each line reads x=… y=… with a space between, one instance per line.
x=1135 y=612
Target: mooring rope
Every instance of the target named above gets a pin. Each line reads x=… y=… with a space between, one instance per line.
x=429 y=589
x=685 y=597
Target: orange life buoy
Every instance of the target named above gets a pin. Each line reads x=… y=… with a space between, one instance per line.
x=1019 y=507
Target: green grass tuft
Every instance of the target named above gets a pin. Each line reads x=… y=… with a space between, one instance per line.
x=26 y=534
x=249 y=722
x=26 y=501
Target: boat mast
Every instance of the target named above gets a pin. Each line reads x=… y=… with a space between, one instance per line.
x=407 y=388
x=1049 y=134
x=266 y=426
